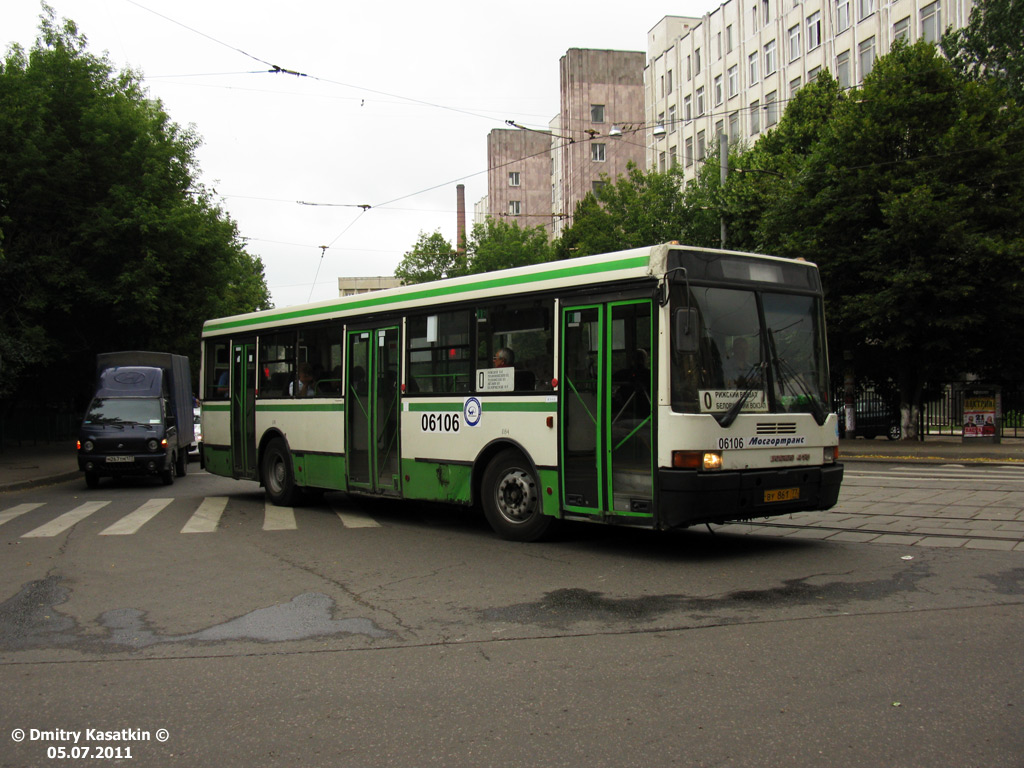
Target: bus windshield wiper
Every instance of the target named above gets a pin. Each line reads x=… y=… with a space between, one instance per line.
x=735 y=408
x=786 y=373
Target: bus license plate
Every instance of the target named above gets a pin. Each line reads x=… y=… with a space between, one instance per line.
x=120 y=459
x=782 y=494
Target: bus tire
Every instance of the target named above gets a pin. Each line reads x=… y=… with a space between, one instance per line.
x=278 y=477
x=510 y=495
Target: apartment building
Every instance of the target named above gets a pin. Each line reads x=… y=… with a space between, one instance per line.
x=537 y=177
x=734 y=69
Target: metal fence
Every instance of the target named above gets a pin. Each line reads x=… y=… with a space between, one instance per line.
x=33 y=426
x=944 y=415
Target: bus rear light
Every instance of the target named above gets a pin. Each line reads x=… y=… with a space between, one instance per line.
x=831 y=454
x=705 y=460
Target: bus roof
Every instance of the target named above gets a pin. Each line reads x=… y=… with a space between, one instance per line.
x=633 y=264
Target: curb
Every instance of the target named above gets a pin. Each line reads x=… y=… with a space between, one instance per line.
x=23 y=485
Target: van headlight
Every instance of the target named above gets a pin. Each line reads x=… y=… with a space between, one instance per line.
x=153 y=445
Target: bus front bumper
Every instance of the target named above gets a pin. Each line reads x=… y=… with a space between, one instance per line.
x=689 y=497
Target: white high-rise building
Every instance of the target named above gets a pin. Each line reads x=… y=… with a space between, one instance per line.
x=734 y=69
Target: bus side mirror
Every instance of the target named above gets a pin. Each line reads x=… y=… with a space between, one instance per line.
x=684 y=336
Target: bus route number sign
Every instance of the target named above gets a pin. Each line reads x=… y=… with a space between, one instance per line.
x=444 y=423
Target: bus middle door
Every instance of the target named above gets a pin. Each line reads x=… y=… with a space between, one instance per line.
x=372 y=410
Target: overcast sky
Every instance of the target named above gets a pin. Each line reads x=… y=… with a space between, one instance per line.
x=394 y=110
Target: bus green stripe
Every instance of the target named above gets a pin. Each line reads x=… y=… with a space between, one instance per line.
x=446 y=290
x=486 y=406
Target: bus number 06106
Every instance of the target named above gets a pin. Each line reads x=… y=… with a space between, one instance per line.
x=440 y=422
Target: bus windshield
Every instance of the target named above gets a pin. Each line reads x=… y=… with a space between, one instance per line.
x=743 y=350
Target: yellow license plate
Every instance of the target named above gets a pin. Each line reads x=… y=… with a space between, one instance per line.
x=782 y=494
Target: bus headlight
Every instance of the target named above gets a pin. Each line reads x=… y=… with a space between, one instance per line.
x=709 y=461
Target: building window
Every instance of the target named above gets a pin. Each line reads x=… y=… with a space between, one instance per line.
x=931 y=26
x=752 y=61
x=794 y=86
x=843 y=69
x=769 y=59
x=661 y=162
x=718 y=47
x=813 y=74
x=734 y=80
x=755 y=117
x=753 y=17
x=865 y=8
x=513 y=178
x=813 y=30
x=842 y=15
x=696 y=62
x=673 y=161
x=700 y=101
x=597 y=113
x=771 y=108
x=688 y=68
x=514 y=208
x=701 y=146
x=597 y=186
x=687 y=108
x=728 y=39
x=719 y=130
x=794 y=43
x=688 y=152
x=866 y=53
x=672 y=118
x=661 y=87
x=901 y=30
x=766 y=15
x=597 y=153
x=718 y=90
x=734 y=126
x=668 y=82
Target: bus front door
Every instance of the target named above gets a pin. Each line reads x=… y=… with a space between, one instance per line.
x=606 y=385
x=243 y=409
x=372 y=410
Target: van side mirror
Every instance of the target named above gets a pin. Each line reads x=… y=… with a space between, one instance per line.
x=685 y=333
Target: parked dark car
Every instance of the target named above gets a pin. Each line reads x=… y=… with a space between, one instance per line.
x=875 y=416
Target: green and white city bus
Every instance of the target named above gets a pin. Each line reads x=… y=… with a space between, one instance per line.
x=662 y=387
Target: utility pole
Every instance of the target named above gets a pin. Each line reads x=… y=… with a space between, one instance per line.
x=723 y=155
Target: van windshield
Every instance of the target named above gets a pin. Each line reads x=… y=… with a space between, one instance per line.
x=124 y=410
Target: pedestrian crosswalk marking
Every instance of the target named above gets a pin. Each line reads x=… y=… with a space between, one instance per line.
x=278 y=518
x=207 y=517
x=129 y=524
x=67 y=520
x=355 y=519
x=9 y=514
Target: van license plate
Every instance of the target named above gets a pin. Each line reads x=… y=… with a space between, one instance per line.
x=120 y=459
x=782 y=494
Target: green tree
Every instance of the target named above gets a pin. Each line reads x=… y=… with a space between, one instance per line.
x=500 y=244
x=638 y=209
x=108 y=242
x=432 y=258
x=991 y=45
x=911 y=202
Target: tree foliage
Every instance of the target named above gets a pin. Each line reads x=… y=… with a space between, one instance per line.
x=635 y=210
x=991 y=45
x=498 y=244
x=432 y=258
x=107 y=241
x=910 y=200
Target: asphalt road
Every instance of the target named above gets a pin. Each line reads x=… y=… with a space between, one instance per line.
x=375 y=634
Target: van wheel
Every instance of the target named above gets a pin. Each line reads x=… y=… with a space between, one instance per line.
x=894 y=432
x=278 y=477
x=511 y=498
x=181 y=464
x=167 y=476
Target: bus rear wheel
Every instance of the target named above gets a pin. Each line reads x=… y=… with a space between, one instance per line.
x=278 y=478
x=511 y=498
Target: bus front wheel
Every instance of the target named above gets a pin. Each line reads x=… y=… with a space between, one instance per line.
x=511 y=498
x=278 y=478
